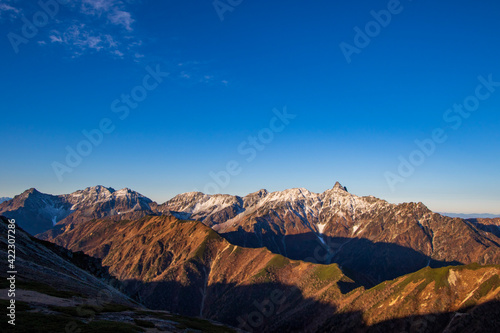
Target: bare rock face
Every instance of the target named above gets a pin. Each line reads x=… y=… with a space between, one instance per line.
x=38 y=212
x=490 y=225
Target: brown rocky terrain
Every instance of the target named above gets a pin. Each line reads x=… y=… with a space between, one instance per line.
x=57 y=290
x=184 y=266
x=491 y=225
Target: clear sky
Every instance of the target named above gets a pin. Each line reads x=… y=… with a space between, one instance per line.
x=282 y=93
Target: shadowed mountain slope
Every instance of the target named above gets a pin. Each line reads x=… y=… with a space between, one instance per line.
x=185 y=267
x=57 y=290
x=337 y=226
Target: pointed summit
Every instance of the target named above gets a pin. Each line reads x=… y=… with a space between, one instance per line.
x=339 y=187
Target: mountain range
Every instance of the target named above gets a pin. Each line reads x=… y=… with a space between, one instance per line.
x=290 y=260
x=471 y=216
x=38 y=212
x=2 y=199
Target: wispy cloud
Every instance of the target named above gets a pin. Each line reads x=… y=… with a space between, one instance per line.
x=97 y=6
x=196 y=72
x=8 y=10
x=120 y=17
x=114 y=11
x=80 y=38
x=83 y=26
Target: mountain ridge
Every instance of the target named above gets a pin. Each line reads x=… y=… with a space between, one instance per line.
x=184 y=266
x=371 y=237
x=38 y=212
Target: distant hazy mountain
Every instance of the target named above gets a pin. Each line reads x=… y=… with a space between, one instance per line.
x=38 y=212
x=470 y=216
x=2 y=199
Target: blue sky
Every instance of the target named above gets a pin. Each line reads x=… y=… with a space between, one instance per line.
x=227 y=81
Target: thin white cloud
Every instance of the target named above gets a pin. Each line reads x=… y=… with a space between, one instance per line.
x=97 y=26
x=80 y=39
x=4 y=7
x=123 y=18
x=84 y=26
x=113 y=10
x=55 y=38
x=97 y=7
x=7 y=10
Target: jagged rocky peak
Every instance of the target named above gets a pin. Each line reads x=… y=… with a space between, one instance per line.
x=188 y=196
x=257 y=195
x=339 y=187
x=126 y=192
x=94 y=191
x=30 y=192
x=261 y=193
x=99 y=189
x=252 y=198
x=292 y=194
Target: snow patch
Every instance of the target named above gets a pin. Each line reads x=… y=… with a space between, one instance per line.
x=320 y=237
